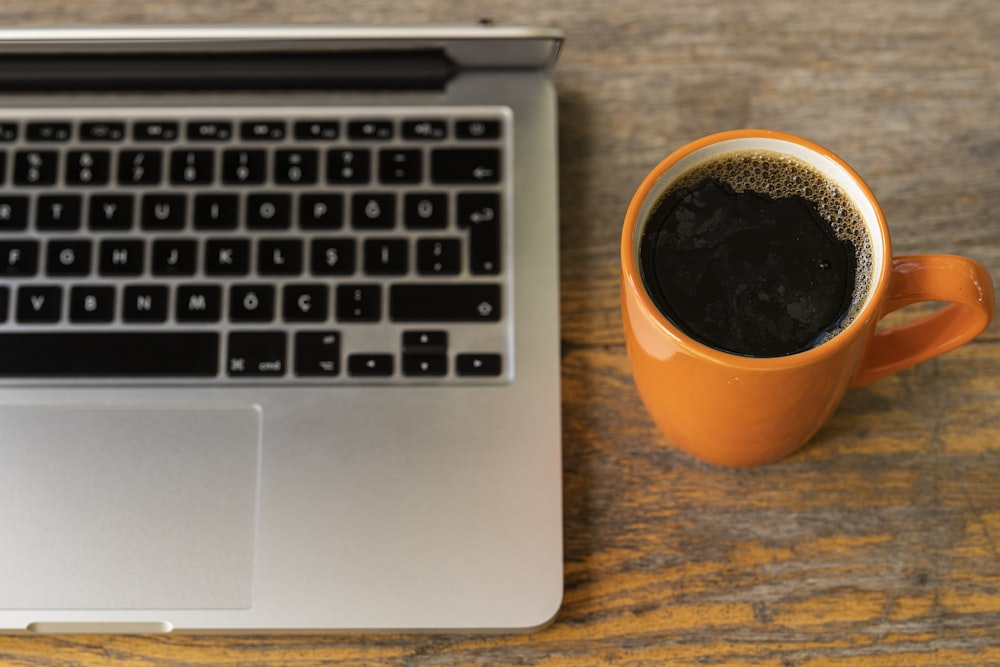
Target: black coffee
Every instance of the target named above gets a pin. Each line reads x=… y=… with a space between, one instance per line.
x=757 y=254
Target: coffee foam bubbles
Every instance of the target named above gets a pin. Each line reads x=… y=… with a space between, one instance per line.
x=779 y=175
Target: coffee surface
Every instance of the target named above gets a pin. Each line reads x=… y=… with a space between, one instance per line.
x=754 y=273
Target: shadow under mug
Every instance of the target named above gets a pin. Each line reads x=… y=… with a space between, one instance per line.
x=736 y=410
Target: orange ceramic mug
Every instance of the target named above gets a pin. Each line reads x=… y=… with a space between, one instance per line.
x=737 y=409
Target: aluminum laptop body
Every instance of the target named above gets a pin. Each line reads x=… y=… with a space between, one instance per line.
x=279 y=330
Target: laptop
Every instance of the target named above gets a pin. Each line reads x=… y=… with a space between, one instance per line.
x=279 y=327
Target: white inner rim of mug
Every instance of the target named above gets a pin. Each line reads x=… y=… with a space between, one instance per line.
x=831 y=169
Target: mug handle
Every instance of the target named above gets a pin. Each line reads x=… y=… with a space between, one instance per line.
x=962 y=282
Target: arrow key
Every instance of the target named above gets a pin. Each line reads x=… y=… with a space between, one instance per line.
x=425 y=365
x=425 y=342
x=370 y=365
x=478 y=364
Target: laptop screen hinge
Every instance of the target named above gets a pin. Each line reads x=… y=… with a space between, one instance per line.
x=422 y=69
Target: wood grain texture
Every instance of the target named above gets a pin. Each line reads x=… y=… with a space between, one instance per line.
x=877 y=544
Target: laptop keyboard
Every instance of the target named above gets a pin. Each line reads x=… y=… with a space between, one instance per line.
x=293 y=245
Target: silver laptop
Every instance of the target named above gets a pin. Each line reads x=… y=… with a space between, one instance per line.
x=279 y=329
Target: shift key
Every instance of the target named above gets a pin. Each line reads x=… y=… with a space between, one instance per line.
x=479 y=302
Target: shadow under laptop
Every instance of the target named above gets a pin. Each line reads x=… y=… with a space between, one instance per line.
x=606 y=432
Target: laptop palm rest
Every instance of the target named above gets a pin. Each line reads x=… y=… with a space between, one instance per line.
x=128 y=507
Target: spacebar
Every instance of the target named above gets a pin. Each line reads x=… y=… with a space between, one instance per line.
x=109 y=354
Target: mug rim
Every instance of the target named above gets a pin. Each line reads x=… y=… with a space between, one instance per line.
x=633 y=280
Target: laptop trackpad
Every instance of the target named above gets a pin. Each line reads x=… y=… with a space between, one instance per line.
x=128 y=507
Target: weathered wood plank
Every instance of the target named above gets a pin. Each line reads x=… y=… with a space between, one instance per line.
x=879 y=543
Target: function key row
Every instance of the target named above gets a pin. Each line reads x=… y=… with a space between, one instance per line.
x=374 y=129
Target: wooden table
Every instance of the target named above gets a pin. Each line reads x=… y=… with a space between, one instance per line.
x=879 y=543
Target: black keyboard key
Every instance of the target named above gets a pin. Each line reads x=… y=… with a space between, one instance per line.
x=192 y=167
x=373 y=211
x=39 y=304
x=425 y=129
x=480 y=214
x=244 y=167
x=49 y=131
x=317 y=130
x=269 y=211
x=444 y=302
x=333 y=256
x=229 y=257
x=321 y=211
x=110 y=212
x=359 y=303
x=465 y=165
x=256 y=354
x=425 y=365
x=263 y=130
x=251 y=303
x=439 y=257
x=378 y=130
x=156 y=131
x=121 y=258
x=305 y=303
x=109 y=354
x=483 y=365
x=36 y=167
x=477 y=208
x=348 y=166
x=296 y=167
x=91 y=304
x=425 y=342
x=484 y=249
x=477 y=129
x=174 y=257
x=209 y=130
x=317 y=353
x=4 y=302
x=102 y=131
x=88 y=167
x=67 y=257
x=400 y=166
x=13 y=213
x=279 y=257
x=3 y=166
x=145 y=304
x=164 y=212
x=386 y=257
x=140 y=167
x=425 y=211
x=216 y=211
x=58 y=212
x=198 y=303
x=8 y=132
x=19 y=258
x=370 y=365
